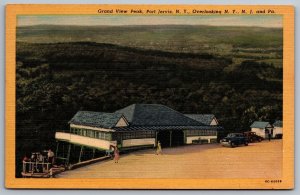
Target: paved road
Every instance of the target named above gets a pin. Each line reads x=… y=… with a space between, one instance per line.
x=258 y=160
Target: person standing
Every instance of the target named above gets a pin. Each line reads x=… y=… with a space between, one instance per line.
x=158 y=149
x=39 y=164
x=25 y=164
x=269 y=136
x=50 y=156
x=116 y=155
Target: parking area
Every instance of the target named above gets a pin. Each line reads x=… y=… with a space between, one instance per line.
x=257 y=160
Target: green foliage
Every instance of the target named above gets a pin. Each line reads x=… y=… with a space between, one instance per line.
x=108 y=77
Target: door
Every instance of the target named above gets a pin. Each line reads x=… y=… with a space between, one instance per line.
x=164 y=138
x=267 y=133
x=177 y=138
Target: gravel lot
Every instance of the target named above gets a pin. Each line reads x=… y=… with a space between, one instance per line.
x=258 y=160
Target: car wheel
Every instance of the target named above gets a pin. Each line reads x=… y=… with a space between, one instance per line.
x=259 y=140
x=232 y=144
x=246 y=143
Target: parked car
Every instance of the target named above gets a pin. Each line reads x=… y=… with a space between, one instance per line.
x=278 y=136
x=252 y=137
x=234 y=139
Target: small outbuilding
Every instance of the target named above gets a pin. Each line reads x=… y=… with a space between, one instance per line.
x=262 y=128
x=277 y=131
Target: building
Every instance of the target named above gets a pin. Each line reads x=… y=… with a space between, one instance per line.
x=262 y=128
x=136 y=126
x=277 y=131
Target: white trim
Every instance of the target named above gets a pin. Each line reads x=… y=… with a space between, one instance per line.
x=91 y=128
x=122 y=122
x=259 y=131
x=87 y=141
x=189 y=140
x=277 y=130
x=214 y=120
x=138 y=142
x=125 y=119
x=269 y=125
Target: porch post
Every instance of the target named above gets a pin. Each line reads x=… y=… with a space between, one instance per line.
x=93 y=153
x=68 y=156
x=81 y=151
x=156 y=132
x=56 y=152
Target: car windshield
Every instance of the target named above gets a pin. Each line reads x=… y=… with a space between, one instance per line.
x=235 y=135
x=231 y=135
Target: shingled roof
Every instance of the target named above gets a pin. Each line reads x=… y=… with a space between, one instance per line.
x=161 y=128
x=277 y=123
x=155 y=115
x=202 y=118
x=259 y=124
x=96 y=119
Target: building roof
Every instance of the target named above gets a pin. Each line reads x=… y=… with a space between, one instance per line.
x=202 y=118
x=277 y=123
x=259 y=124
x=161 y=128
x=96 y=119
x=156 y=115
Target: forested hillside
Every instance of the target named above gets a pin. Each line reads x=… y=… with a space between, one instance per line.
x=56 y=80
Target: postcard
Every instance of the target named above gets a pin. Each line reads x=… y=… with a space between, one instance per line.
x=149 y=96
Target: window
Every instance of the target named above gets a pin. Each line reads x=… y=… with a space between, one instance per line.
x=188 y=132
x=99 y=135
x=199 y=132
x=89 y=133
x=138 y=134
x=102 y=135
x=96 y=134
x=107 y=136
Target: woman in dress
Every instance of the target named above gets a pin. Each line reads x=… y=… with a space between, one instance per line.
x=116 y=154
x=158 y=149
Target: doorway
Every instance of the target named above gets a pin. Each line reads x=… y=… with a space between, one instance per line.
x=164 y=138
x=177 y=138
x=170 y=138
x=267 y=133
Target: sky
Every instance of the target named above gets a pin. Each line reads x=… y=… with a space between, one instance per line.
x=116 y=20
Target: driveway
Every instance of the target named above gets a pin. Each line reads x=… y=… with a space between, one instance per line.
x=258 y=160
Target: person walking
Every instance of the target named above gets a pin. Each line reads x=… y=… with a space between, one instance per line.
x=158 y=149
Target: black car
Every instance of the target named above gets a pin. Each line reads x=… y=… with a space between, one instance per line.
x=252 y=137
x=234 y=139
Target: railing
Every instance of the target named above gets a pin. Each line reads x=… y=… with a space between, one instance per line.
x=34 y=167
